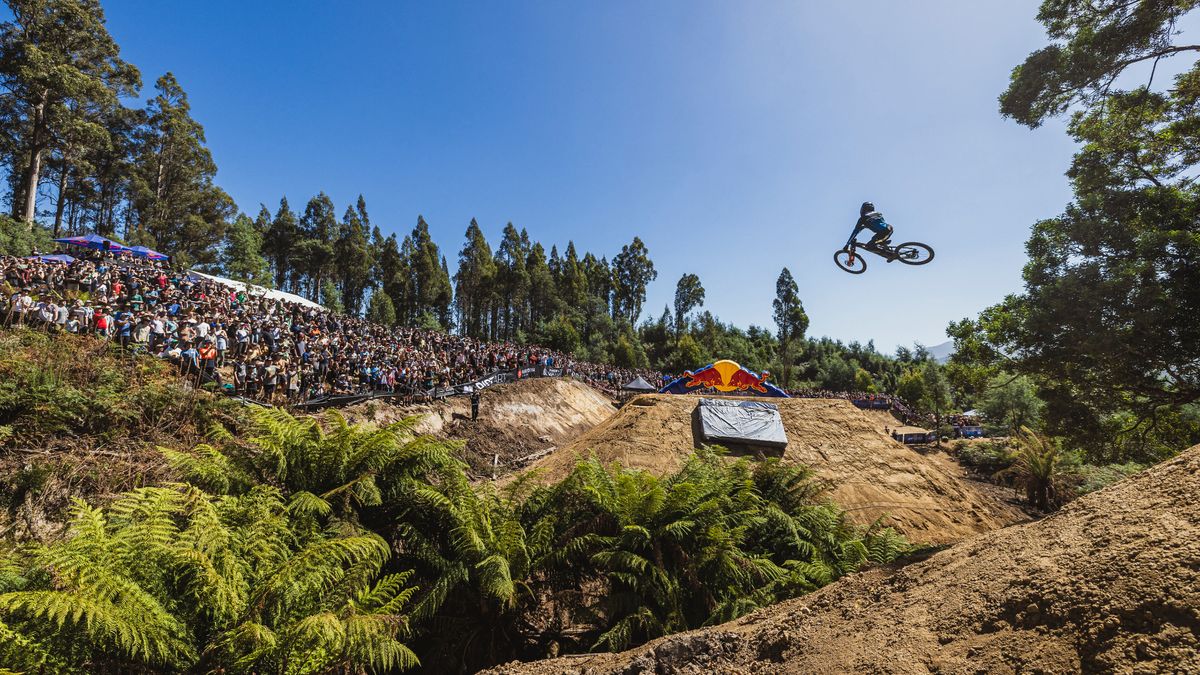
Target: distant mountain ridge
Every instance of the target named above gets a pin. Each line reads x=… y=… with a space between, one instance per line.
x=942 y=353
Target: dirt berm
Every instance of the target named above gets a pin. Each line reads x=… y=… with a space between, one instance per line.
x=515 y=420
x=1110 y=584
x=928 y=498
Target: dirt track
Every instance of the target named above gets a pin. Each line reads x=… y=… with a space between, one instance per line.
x=927 y=498
x=1109 y=584
x=515 y=420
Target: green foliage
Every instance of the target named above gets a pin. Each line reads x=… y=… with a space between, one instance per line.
x=56 y=388
x=172 y=579
x=179 y=208
x=632 y=271
x=863 y=381
x=560 y=334
x=689 y=295
x=790 y=319
x=707 y=544
x=628 y=352
x=323 y=466
x=380 y=309
x=17 y=238
x=306 y=544
x=987 y=457
x=241 y=255
x=353 y=256
x=1106 y=324
x=911 y=386
x=1090 y=477
x=63 y=76
x=1036 y=470
x=1012 y=402
x=331 y=296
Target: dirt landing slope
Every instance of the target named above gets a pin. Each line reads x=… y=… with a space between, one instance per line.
x=872 y=475
x=515 y=420
x=1109 y=584
x=883 y=419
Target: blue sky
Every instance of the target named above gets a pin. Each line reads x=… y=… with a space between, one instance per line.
x=734 y=138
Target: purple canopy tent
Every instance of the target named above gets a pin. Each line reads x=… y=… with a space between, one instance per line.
x=57 y=257
x=147 y=253
x=93 y=241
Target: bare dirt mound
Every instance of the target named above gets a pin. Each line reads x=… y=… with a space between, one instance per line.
x=1109 y=584
x=872 y=476
x=517 y=420
x=883 y=419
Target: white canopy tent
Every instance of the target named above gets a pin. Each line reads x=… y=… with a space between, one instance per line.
x=255 y=290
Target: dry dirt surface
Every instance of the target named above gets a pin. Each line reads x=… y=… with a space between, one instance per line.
x=1110 y=584
x=872 y=476
x=516 y=421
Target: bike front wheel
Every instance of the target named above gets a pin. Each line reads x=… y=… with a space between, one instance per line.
x=850 y=262
x=913 y=253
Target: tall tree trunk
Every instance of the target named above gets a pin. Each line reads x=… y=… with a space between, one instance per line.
x=61 y=204
x=33 y=171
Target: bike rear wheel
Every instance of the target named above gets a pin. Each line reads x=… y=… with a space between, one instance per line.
x=850 y=262
x=913 y=253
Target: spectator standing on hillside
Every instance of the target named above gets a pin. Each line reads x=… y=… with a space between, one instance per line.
x=222 y=347
x=475 y=405
x=208 y=360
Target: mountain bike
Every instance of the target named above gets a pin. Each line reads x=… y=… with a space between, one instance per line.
x=910 y=253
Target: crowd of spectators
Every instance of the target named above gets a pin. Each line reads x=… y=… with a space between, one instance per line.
x=894 y=404
x=277 y=351
x=266 y=349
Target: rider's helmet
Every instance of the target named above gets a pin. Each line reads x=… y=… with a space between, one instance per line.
x=867 y=207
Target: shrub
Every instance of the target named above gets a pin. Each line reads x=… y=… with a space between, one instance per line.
x=18 y=239
x=987 y=457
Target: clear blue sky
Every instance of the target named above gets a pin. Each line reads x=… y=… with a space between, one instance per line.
x=734 y=138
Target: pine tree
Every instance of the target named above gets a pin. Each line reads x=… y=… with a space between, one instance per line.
x=176 y=204
x=393 y=277
x=431 y=284
x=512 y=280
x=474 y=283
x=241 y=254
x=790 y=319
x=599 y=280
x=632 y=272
x=543 y=301
x=280 y=242
x=58 y=65
x=314 y=249
x=353 y=256
x=380 y=309
x=573 y=282
x=689 y=295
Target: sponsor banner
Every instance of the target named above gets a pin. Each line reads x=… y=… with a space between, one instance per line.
x=872 y=403
x=726 y=377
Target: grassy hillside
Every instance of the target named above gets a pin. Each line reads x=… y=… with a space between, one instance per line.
x=79 y=418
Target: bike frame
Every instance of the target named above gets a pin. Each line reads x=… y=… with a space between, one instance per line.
x=853 y=247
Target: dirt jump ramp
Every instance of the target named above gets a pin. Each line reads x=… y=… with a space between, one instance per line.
x=1110 y=584
x=516 y=421
x=872 y=476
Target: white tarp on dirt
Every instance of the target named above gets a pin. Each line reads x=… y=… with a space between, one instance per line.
x=257 y=290
x=741 y=422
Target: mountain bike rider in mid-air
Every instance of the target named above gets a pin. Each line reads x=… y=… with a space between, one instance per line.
x=870 y=219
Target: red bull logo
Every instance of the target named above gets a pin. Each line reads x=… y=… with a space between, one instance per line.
x=727 y=376
x=705 y=377
x=744 y=379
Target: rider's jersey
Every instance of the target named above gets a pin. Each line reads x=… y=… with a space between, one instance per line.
x=872 y=221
